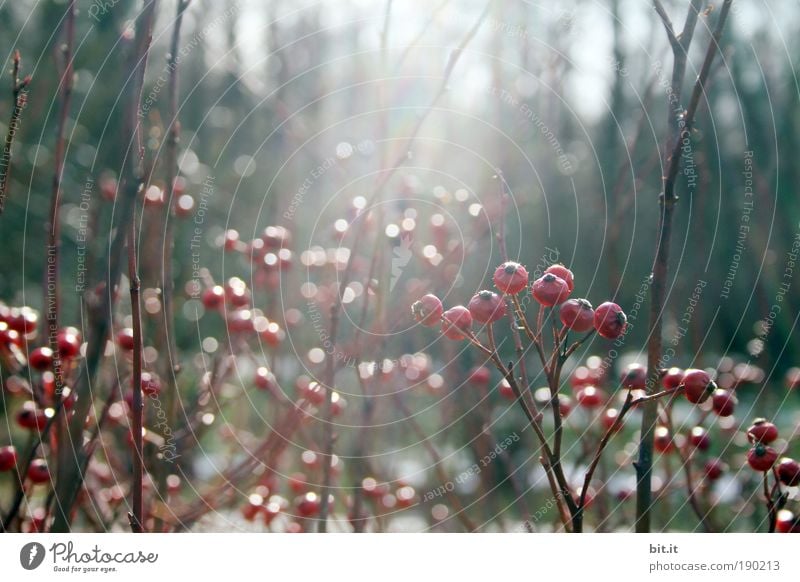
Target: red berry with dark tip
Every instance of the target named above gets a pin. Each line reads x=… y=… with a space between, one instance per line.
x=8 y=458
x=634 y=377
x=511 y=277
x=761 y=458
x=487 y=307
x=428 y=310
x=38 y=472
x=609 y=320
x=457 y=322
x=697 y=385
x=724 y=402
x=577 y=315
x=762 y=431
x=563 y=273
x=31 y=417
x=789 y=472
x=550 y=290
x=150 y=385
x=672 y=378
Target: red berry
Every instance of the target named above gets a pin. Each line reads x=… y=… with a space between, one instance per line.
x=793 y=378
x=511 y=277
x=565 y=405
x=609 y=418
x=583 y=376
x=550 y=290
x=506 y=391
x=714 y=468
x=125 y=339
x=236 y=293
x=563 y=273
x=38 y=472
x=698 y=438
x=41 y=359
x=697 y=385
x=480 y=375
x=308 y=505
x=786 y=522
x=265 y=380
x=314 y=393
x=31 y=417
x=184 y=205
x=672 y=378
x=297 y=482
x=231 y=240
x=213 y=297
x=487 y=307
x=634 y=377
x=590 y=397
x=428 y=310
x=762 y=431
x=23 y=320
x=577 y=315
x=761 y=458
x=457 y=322
x=662 y=441
x=609 y=320
x=8 y=458
x=724 y=402
x=150 y=385
x=789 y=472
x=240 y=321
x=69 y=342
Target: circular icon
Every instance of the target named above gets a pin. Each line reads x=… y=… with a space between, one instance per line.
x=31 y=555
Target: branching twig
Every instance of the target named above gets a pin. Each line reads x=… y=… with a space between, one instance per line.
x=19 y=94
x=667 y=200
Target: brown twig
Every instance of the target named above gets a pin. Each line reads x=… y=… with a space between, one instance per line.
x=19 y=94
x=70 y=475
x=667 y=200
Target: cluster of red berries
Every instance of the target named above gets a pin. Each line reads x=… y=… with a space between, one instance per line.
x=552 y=289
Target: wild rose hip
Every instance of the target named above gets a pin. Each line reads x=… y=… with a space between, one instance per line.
x=41 y=359
x=506 y=391
x=550 y=290
x=577 y=315
x=634 y=377
x=456 y=322
x=713 y=469
x=37 y=472
x=787 y=522
x=762 y=431
x=590 y=397
x=511 y=277
x=662 y=441
x=428 y=310
x=480 y=375
x=789 y=472
x=562 y=272
x=697 y=385
x=125 y=339
x=214 y=297
x=609 y=320
x=672 y=378
x=487 y=307
x=761 y=457
x=724 y=402
x=699 y=439
x=8 y=458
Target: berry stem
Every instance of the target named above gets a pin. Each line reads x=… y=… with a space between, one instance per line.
x=771 y=511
